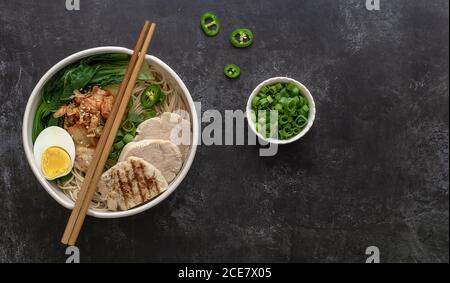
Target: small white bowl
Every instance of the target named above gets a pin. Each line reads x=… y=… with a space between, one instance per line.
x=303 y=90
x=33 y=103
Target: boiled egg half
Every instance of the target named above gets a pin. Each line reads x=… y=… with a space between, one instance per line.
x=54 y=152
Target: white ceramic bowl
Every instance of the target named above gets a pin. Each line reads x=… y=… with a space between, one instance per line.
x=33 y=103
x=303 y=90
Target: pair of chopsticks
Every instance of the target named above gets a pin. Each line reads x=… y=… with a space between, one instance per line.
x=89 y=186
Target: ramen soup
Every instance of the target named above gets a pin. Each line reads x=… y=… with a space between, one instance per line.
x=145 y=157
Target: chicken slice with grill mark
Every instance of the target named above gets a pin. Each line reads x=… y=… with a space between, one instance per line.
x=130 y=183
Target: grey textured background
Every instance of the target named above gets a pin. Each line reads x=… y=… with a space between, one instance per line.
x=373 y=171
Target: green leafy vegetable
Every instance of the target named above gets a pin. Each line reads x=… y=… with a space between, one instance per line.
x=134 y=118
x=102 y=70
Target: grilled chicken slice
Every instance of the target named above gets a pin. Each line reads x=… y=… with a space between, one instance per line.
x=162 y=154
x=169 y=126
x=130 y=183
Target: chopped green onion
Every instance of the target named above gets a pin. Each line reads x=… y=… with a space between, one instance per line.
x=296 y=100
x=278 y=107
x=302 y=100
x=282 y=134
x=113 y=155
x=134 y=118
x=128 y=126
x=264 y=102
x=255 y=101
x=278 y=96
x=293 y=89
x=300 y=121
x=284 y=101
x=283 y=119
x=264 y=90
x=273 y=89
x=120 y=133
x=292 y=108
x=119 y=145
x=284 y=93
x=128 y=138
x=278 y=87
x=147 y=114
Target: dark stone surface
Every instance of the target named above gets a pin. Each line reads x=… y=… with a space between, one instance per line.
x=373 y=171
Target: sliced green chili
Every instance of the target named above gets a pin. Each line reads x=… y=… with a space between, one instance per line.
x=232 y=71
x=210 y=24
x=151 y=96
x=241 y=38
x=162 y=97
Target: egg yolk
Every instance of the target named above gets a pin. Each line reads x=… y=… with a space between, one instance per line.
x=55 y=162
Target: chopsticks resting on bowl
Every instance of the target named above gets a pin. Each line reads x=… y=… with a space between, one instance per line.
x=89 y=186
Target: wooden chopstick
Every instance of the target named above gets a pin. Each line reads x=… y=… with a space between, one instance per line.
x=101 y=143
x=111 y=136
x=104 y=145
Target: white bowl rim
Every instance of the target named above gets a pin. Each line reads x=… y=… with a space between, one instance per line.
x=28 y=145
x=304 y=91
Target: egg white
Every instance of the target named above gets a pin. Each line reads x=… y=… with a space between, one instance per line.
x=53 y=136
